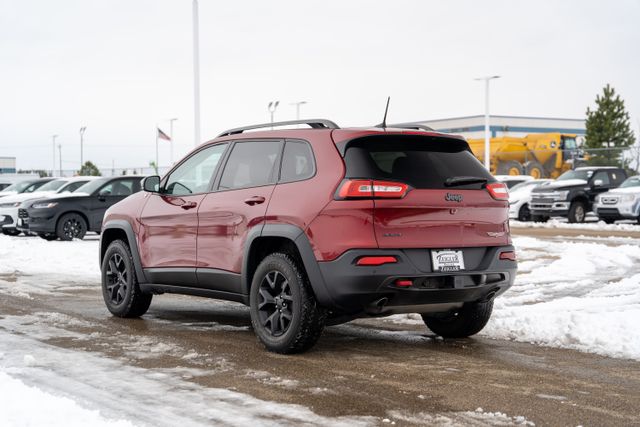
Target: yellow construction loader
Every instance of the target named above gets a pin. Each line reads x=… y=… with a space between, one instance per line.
x=545 y=155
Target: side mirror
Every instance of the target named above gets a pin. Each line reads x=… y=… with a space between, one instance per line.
x=598 y=183
x=151 y=184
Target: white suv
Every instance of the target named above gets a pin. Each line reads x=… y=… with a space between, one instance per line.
x=620 y=203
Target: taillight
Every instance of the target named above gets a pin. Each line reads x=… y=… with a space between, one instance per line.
x=376 y=260
x=498 y=191
x=508 y=255
x=367 y=189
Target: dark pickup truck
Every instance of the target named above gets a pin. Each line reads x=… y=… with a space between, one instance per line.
x=573 y=193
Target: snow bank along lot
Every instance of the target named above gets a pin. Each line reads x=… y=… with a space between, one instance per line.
x=571 y=293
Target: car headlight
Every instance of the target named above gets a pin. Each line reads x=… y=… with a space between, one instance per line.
x=628 y=198
x=10 y=205
x=44 y=205
x=560 y=195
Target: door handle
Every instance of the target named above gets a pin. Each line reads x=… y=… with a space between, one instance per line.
x=255 y=200
x=189 y=205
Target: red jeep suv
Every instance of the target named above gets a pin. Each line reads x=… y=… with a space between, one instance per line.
x=317 y=226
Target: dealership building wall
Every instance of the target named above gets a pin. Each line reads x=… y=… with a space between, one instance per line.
x=7 y=165
x=472 y=127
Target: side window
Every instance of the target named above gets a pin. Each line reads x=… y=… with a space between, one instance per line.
x=120 y=187
x=194 y=175
x=74 y=186
x=602 y=175
x=250 y=164
x=297 y=162
x=616 y=178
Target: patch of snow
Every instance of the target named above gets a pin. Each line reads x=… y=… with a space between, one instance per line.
x=593 y=226
x=461 y=418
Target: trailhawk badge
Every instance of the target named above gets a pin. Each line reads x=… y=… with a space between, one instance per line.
x=447 y=260
x=452 y=197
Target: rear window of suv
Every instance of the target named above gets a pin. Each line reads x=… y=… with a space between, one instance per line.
x=420 y=161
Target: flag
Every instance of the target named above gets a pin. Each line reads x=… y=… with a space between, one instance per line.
x=162 y=135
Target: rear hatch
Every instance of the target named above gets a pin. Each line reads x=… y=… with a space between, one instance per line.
x=428 y=191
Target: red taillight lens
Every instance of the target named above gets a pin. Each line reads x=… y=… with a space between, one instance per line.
x=508 y=256
x=403 y=283
x=498 y=191
x=365 y=188
x=376 y=260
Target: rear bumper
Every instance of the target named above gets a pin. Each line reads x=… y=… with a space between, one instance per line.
x=372 y=290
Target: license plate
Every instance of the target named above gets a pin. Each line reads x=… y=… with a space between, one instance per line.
x=447 y=260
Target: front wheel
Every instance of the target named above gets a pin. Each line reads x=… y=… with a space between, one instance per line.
x=71 y=226
x=470 y=319
x=284 y=312
x=120 y=289
x=577 y=212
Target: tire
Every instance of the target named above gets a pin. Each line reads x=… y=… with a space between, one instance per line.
x=10 y=232
x=534 y=169
x=470 y=319
x=120 y=289
x=524 y=214
x=284 y=312
x=510 y=167
x=71 y=226
x=48 y=236
x=539 y=218
x=577 y=212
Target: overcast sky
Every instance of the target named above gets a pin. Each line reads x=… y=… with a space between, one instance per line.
x=121 y=66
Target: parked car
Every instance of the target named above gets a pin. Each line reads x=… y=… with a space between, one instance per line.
x=308 y=226
x=26 y=186
x=520 y=196
x=513 y=180
x=620 y=203
x=573 y=193
x=70 y=216
x=10 y=205
x=4 y=184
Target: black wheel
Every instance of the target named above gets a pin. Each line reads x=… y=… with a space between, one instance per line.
x=524 y=214
x=71 y=226
x=48 y=236
x=466 y=321
x=10 y=232
x=539 y=218
x=120 y=288
x=510 y=167
x=284 y=311
x=534 y=168
x=577 y=212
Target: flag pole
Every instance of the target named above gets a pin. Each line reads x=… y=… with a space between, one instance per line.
x=157 y=172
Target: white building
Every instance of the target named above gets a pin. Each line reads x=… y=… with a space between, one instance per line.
x=7 y=165
x=472 y=127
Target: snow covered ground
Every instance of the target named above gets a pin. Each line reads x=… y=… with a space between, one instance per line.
x=593 y=226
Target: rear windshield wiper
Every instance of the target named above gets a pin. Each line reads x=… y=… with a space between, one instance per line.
x=462 y=180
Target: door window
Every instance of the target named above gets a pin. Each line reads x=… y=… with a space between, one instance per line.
x=616 y=177
x=194 y=175
x=120 y=187
x=297 y=162
x=250 y=165
x=603 y=176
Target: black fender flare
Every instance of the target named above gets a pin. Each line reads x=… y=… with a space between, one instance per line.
x=121 y=224
x=299 y=238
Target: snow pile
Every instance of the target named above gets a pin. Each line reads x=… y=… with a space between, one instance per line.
x=459 y=419
x=584 y=296
x=593 y=226
x=18 y=402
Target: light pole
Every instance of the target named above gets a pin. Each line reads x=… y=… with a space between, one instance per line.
x=82 y=129
x=171 y=142
x=60 y=158
x=53 y=167
x=298 y=104
x=196 y=75
x=487 y=146
x=272 y=109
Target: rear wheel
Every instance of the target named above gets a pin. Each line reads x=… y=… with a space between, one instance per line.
x=284 y=312
x=470 y=319
x=510 y=167
x=71 y=226
x=524 y=214
x=534 y=169
x=577 y=212
x=120 y=289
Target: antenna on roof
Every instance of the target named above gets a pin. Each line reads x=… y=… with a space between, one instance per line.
x=384 y=119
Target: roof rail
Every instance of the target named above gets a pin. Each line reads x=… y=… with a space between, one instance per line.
x=313 y=123
x=414 y=126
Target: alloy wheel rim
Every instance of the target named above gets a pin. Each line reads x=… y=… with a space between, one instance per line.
x=275 y=303
x=579 y=213
x=72 y=228
x=117 y=279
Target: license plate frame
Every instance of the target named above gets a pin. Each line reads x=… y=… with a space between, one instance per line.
x=447 y=260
